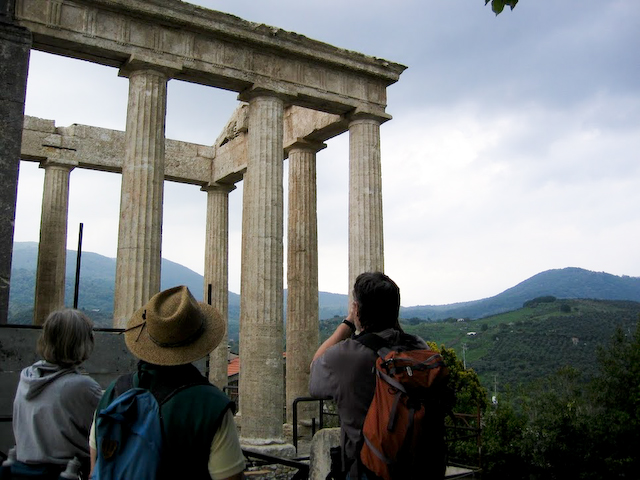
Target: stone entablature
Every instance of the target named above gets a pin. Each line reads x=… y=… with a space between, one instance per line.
x=225 y=162
x=211 y=48
x=103 y=149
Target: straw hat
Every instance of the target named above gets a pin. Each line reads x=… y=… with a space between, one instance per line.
x=173 y=329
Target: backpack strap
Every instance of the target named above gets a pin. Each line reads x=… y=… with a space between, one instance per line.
x=123 y=383
x=375 y=342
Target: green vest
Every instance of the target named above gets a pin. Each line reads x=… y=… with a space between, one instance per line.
x=190 y=417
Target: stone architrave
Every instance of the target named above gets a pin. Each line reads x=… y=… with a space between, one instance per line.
x=302 y=276
x=261 y=304
x=52 y=249
x=15 y=46
x=366 y=246
x=140 y=227
x=216 y=272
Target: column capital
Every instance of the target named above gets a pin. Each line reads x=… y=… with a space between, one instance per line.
x=137 y=63
x=218 y=187
x=360 y=115
x=58 y=163
x=303 y=144
x=274 y=91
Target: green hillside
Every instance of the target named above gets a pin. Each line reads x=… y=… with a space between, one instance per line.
x=531 y=342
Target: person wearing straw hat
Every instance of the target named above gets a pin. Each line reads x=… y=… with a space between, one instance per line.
x=199 y=435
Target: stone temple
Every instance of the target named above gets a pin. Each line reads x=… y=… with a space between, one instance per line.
x=294 y=94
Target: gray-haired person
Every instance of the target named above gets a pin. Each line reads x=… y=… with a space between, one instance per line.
x=54 y=402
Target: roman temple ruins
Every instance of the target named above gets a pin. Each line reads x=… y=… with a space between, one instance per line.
x=294 y=94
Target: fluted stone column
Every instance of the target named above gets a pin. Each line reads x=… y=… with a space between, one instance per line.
x=216 y=272
x=261 y=305
x=140 y=229
x=52 y=249
x=366 y=247
x=15 y=47
x=302 y=276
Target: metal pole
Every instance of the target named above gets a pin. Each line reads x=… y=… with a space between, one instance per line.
x=78 y=259
x=464 y=355
x=208 y=362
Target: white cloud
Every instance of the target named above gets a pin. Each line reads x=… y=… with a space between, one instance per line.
x=471 y=211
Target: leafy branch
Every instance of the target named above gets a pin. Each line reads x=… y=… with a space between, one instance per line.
x=498 y=5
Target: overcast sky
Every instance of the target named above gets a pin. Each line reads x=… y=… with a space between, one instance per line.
x=514 y=147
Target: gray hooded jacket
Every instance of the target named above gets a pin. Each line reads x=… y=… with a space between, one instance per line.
x=52 y=413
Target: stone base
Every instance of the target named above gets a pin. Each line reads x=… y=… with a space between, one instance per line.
x=320 y=458
x=274 y=448
x=287 y=431
x=304 y=429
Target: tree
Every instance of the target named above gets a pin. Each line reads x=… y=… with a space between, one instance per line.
x=498 y=5
x=542 y=432
x=471 y=396
x=564 y=427
x=617 y=396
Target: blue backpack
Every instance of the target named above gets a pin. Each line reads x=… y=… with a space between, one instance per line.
x=129 y=432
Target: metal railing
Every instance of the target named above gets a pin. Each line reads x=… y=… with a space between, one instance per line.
x=466 y=426
x=321 y=415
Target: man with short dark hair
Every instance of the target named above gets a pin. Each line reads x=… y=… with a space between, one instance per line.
x=343 y=368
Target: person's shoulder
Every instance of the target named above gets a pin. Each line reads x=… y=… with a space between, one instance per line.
x=347 y=351
x=80 y=389
x=203 y=392
x=350 y=345
x=416 y=339
x=412 y=341
x=401 y=339
x=79 y=380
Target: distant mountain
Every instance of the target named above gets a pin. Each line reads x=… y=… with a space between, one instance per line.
x=97 y=280
x=561 y=283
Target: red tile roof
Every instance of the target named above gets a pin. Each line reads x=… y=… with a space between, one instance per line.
x=233 y=367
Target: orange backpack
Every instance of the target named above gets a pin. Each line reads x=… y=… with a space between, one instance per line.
x=404 y=427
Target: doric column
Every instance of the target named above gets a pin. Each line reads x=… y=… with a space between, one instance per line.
x=216 y=272
x=15 y=46
x=261 y=304
x=366 y=248
x=140 y=229
x=52 y=249
x=302 y=275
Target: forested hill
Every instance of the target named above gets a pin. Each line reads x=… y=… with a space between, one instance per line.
x=529 y=343
x=536 y=340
